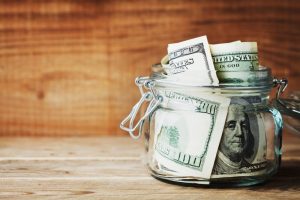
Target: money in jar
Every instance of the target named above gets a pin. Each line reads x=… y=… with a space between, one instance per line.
x=204 y=125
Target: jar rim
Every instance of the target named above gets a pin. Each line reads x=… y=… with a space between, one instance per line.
x=254 y=79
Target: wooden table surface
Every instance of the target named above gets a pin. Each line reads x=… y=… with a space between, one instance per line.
x=112 y=168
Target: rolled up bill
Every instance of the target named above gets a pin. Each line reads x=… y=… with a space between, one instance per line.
x=190 y=63
x=235 y=56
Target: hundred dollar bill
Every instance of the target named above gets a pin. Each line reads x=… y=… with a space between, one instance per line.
x=243 y=147
x=190 y=63
x=165 y=60
x=235 y=56
x=242 y=78
x=245 y=78
x=186 y=140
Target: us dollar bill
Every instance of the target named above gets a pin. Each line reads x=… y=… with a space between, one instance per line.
x=186 y=140
x=235 y=56
x=190 y=63
x=165 y=60
x=243 y=147
x=245 y=78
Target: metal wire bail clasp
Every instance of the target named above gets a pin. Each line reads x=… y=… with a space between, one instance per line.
x=282 y=84
x=146 y=96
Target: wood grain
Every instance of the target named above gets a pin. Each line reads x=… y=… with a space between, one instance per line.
x=68 y=67
x=112 y=168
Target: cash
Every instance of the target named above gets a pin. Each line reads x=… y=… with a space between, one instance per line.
x=209 y=136
x=243 y=148
x=242 y=78
x=235 y=56
x=179 y=139
x=190 y=63
x=186 y=140
x=234 y=62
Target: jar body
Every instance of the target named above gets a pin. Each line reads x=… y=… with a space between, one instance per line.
x=246 y=152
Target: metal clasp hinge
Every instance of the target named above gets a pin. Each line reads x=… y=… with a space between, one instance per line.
x=150 y=96
x=283 y=83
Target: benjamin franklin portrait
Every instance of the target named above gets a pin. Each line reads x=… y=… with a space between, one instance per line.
x=237 y=142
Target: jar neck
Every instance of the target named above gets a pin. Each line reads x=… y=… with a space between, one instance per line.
x=262 y=92
x=253 y=97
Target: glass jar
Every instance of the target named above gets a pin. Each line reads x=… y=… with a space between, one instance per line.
x=218 y=135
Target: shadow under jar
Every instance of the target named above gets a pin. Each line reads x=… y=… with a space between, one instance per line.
x=226 y=135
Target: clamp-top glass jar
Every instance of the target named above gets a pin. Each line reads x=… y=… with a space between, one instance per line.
x=219 y=135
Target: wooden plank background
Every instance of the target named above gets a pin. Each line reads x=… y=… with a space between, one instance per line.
x=68 y=67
